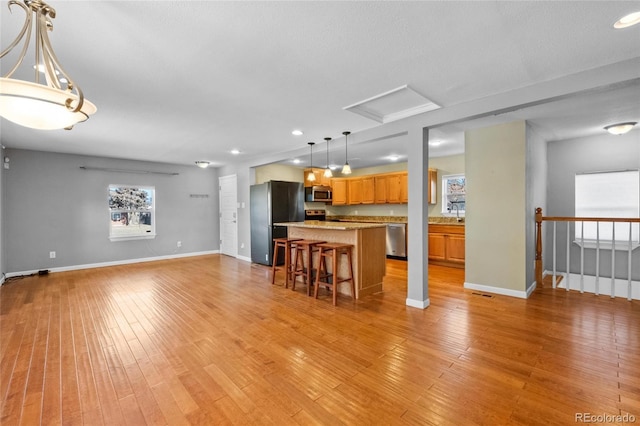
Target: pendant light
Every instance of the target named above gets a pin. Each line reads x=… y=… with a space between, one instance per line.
x=311 y=176
x=346 y=169
x=327 y=171
x=56 y=103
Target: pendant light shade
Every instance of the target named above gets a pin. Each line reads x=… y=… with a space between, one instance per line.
x=327 y=170
x=346 y=169
x=311 y=176
x=55 y=103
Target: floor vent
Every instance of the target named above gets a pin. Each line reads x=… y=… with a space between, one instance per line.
x=490 y=296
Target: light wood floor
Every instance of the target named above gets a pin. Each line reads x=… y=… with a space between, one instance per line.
x=208 y=340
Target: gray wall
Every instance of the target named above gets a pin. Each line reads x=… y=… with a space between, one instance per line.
x=536 y=195
x=566 y=158
x=50 y=204
x=2 y=203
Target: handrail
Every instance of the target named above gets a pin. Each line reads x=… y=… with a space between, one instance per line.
x=591 y=219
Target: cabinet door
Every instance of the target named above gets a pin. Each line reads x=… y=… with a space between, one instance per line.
x=437 y=246
x=393 y=188
x=455 y=248
x=380 y=186
x=432 y=188
x=354 y=193
x=404 y=188
x=339 y=188
x=368 y=190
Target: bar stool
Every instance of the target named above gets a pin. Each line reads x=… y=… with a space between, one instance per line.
x=299 y=269
x=287 y=244
x=334 y=250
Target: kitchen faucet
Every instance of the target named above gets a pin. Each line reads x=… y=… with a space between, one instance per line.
x=455 y=204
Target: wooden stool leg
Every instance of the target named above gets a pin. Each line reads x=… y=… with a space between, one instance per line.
x=335 y=277
x=295 y=268
x=321 y=261
x=273 y=265
x=287 y=264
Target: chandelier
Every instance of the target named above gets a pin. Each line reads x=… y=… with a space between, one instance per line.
x=56 y=103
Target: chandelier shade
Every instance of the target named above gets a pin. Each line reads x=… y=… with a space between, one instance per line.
x=56 y=103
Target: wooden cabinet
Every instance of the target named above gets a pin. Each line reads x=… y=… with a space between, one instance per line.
x=380 y=189
x=432 y=187
x=393 y=188
x=320 y=178
x=354 y=191
x=404 y=188
x=339 y=188
x=368 y=190
x=446 y=245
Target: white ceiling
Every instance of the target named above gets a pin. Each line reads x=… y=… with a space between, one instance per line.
x=177 y=82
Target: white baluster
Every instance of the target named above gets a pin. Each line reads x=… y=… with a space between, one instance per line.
x=554 y=254
x=597 y=258
x=613 y=262
x=568 y=254
x=582 y=257
x=629 y=264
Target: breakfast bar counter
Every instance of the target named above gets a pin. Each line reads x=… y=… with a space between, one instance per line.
x=369 y=249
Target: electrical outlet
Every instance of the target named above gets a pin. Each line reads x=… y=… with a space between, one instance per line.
x=241 y=245
x=52 y=255
x=390 y=212
x=179 y=244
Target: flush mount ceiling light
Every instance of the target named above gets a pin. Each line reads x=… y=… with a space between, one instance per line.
x=56 y=103
x=297 y=133
x=202 y=164
x=235 y=151
x=346 y=169
x=627 y=21
x=620 y=128
x=327 y=170
x=311 y=176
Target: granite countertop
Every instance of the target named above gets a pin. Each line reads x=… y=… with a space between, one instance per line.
x=318 y=224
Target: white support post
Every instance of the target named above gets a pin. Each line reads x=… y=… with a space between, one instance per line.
x=629 y=263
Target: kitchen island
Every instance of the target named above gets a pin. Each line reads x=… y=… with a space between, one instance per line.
x=369 y=250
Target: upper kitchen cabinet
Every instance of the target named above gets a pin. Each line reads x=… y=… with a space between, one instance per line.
x=320 y=178
x=339 y=189
x=354 y=191
x=368 y=190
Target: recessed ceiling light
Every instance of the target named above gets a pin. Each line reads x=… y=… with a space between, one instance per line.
x=393 y=157
x=296 y=161
x=435 y=143
x=297 y=133
x=627 y=20
x=235 y=152
x=620 y=128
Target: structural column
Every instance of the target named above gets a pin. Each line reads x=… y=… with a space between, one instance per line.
x=418 y=265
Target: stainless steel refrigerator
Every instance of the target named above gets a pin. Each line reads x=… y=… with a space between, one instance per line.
x=272 y=202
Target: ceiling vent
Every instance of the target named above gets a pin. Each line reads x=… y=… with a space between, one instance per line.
x=393 y=105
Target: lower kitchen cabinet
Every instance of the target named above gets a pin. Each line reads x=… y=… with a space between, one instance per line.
x=446 y=245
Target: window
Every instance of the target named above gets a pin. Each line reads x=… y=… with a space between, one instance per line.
x=453 y=194
x=607 y=194
x=131 y=212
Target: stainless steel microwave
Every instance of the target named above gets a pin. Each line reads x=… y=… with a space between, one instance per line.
x=318 y=193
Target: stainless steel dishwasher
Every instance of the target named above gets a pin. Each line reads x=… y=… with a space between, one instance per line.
x=397 y=240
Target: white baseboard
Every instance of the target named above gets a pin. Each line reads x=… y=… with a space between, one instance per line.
x=114 y=263
x=245 y=258
x=498 y=290
x=420 y=304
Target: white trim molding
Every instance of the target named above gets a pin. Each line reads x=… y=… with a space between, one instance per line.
x=114 y=263
x=420 y=304
x=499 y=290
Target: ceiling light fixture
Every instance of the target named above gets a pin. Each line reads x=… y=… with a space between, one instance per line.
x=620 y=128
x=627 y=21
x=202 y=164
x=297 y=133
x=235 y=152
x=311 y=176
x=327 y=171
x=57 y=103
x=346 y=169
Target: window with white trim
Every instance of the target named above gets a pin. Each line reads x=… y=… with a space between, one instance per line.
x=453 y=195
x=131 y=212
x=607 y=194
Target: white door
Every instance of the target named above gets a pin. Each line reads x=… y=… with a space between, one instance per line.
x=228 y=215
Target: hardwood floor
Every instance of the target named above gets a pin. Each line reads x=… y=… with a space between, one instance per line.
x=209 y=340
